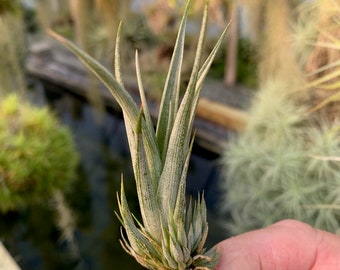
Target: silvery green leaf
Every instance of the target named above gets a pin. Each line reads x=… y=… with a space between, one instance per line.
x=145 y=106
x=206 y=65
x=146 y=190
x=124 y=99
x=176 y=252
x=137 y=240
x=181 y=132
x=188 y=218
x=155 y=169
x=169 y=102
x=179 y=210
x=168 y=260
x=129 y=126
x=117 y=90
x=191 y=238
x=197 y=226
x=204 y=227
x=117 y=63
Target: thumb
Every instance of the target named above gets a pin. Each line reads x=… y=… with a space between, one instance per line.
x=288 y=244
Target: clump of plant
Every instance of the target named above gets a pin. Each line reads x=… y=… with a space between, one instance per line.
x=274 y=169
x=172 y=233
x=285 y=164
x=322 y=64
x=37 y=156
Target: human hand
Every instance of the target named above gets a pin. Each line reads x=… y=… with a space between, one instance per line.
x=289 y=245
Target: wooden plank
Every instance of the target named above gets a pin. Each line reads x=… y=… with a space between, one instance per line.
x=6 y=260
x=222 y=114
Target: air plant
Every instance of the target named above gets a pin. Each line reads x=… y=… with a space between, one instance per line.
x=282 y=166
x=171 y=234
x=285 y=163
x=320 y=20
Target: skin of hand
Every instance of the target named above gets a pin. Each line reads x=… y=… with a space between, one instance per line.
x=286 y=245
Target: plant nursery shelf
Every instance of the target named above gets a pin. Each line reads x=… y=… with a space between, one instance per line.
x=51 y=63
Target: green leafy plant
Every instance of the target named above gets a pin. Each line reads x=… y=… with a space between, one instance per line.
x=171 y=234
x=37 y=155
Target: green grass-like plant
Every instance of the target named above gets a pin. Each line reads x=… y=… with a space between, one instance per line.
x=37 y=155
x=171 y=234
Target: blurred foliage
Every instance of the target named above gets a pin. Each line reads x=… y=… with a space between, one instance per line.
x=246 y=64
x=323 y=62
x=9 y=6
x=286 y=163
x=12 y=52
x=31 y=25
x=274 y=171
x=38 y=155
x=41 y=246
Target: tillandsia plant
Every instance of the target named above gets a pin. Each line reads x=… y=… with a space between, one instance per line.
x=171 y=234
